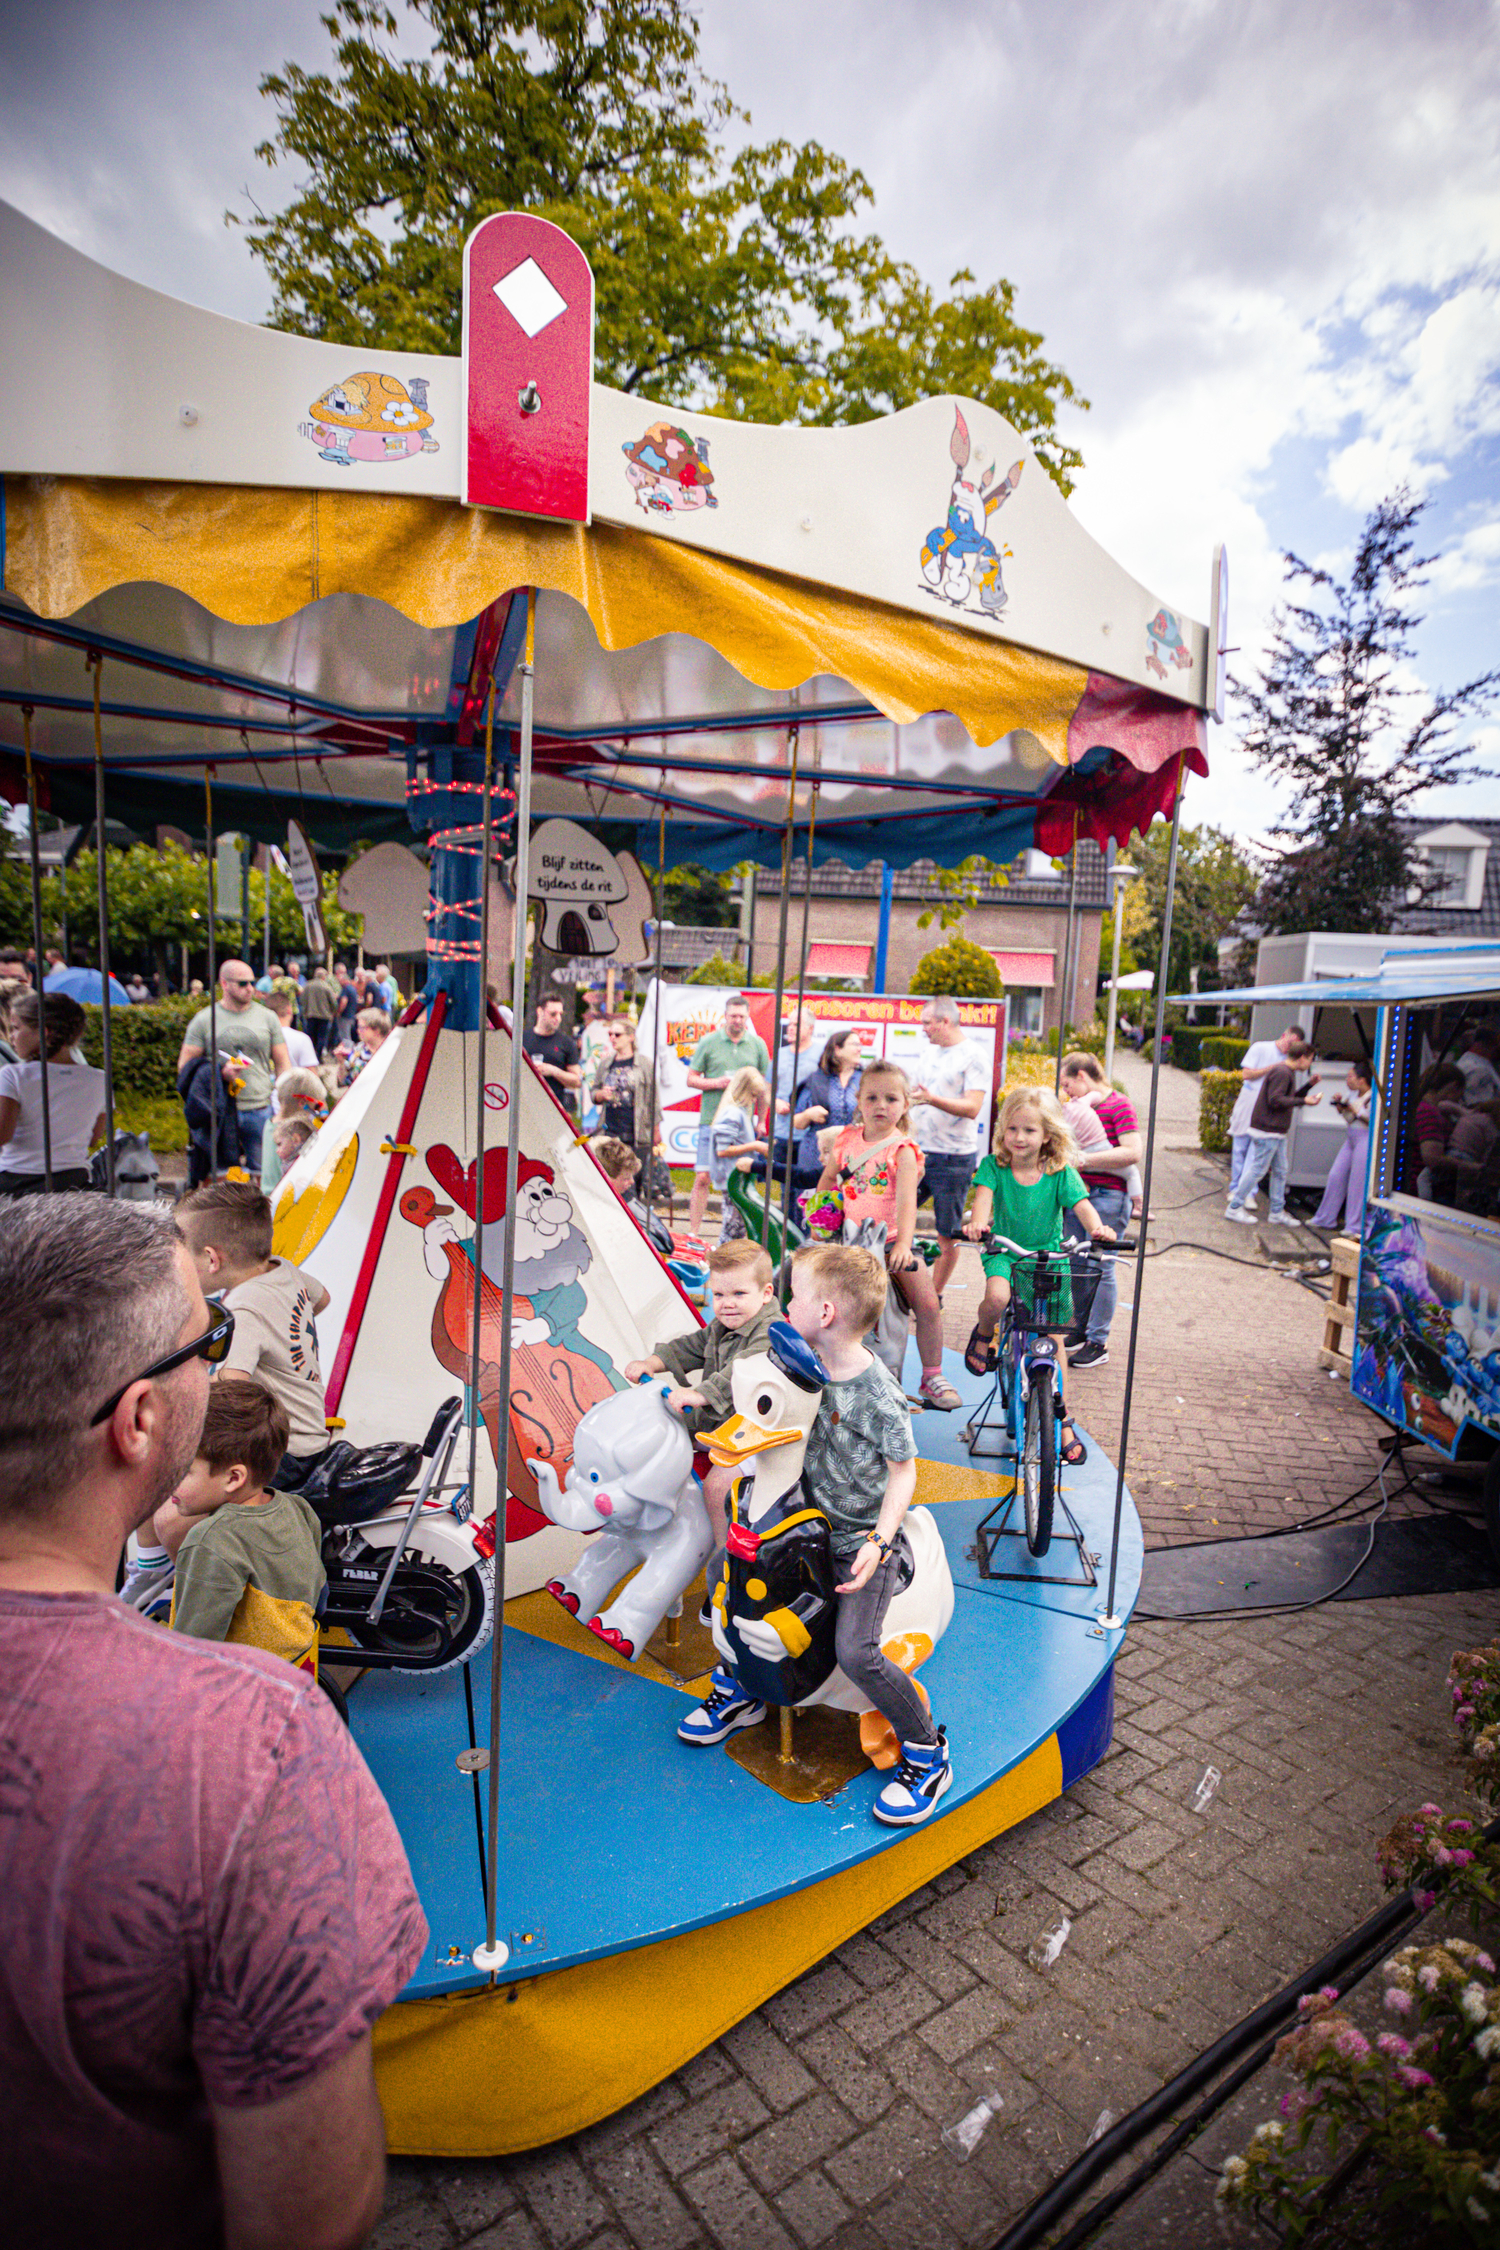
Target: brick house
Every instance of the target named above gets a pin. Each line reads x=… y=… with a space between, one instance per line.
x=1021 y=921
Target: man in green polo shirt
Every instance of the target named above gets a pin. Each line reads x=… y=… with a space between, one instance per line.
x=243 y=1028
x=716 y=1058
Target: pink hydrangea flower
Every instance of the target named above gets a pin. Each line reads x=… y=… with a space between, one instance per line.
x=1460 y=1827
x=1397 y=2001
x=1461 y=1858
x=1391 y=2043
x=1463 y=1714
x=1427 y=1977
x=1351 y=2044
x=1413 y=2079
x=1424 y=1901
x=1432 y=1812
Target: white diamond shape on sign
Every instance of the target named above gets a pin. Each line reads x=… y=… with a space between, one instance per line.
x=529 y=297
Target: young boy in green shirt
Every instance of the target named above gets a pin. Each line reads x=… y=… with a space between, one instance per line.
x=248 y=1566
x=1022 y=1190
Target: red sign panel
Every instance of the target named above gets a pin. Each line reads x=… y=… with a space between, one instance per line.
x=528 y=368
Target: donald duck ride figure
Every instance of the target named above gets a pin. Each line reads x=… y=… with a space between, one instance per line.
x=824 y=1572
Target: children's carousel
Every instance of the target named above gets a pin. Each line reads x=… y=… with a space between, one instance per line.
x=252 y=579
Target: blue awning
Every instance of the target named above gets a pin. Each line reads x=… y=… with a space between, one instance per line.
x=1450 y=972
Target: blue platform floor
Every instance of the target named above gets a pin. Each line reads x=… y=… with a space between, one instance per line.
x=614 y=1835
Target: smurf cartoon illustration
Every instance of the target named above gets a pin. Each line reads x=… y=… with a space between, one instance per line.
x=959 y=557
x=669 y=470
x=1165 y=635
x=370 y=417
x=557 y=1374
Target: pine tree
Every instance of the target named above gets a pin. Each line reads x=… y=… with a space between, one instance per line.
x=1332 y=719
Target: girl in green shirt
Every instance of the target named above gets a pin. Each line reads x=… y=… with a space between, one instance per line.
x=1022 y=1190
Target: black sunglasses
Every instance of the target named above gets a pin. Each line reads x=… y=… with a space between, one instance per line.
x=213 y=1345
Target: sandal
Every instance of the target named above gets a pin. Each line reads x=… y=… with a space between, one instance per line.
x=1072 y=1450
x=979 y=1351
x=939 y=1392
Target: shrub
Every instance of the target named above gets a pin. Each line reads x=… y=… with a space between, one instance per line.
x=1029 y=1065
x=1088 y=1038
x=960 y=969
x=144 y=1044
x=1218 y=1091
x=716 y=970
x=1186 y=1045
x=1221 y=1050
x=155 y=1114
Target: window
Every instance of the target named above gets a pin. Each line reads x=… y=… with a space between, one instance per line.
x=1445 y=1147
x=1025 y=1011
x=1448 y=874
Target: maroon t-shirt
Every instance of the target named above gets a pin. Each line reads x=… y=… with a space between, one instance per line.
x=1118 y=1118
x=202 y=1897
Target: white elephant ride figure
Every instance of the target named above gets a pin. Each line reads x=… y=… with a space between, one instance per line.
x=631 y=1484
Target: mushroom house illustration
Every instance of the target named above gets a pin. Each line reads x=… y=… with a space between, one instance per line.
x=371 y=417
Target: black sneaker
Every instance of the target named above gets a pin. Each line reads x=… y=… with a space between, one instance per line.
x=1089 y=1355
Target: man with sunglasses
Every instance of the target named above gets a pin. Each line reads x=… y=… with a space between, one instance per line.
x=253 y=1045
x=204 y=1903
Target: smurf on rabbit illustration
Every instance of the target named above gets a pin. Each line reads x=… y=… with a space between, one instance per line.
x=959 y=558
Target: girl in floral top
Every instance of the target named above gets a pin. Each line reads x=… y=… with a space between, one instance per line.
x=878 y=1164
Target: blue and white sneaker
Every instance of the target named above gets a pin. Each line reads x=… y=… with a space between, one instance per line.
x=725 y=1707
x=923 y=1774
x=148 y=1587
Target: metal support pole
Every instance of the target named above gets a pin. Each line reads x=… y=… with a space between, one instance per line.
x=1069 y=971
x=791 y=1139
x=786 y=885
x=1114 y=979
x=265 y=965
x=36 y=946
x=97 y=664
x=661 y=907
x=1107 y=1619
x=883 y=927
x=494 y=1953
x=216 y=1086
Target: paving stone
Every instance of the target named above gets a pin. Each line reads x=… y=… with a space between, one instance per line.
x=473 y=2195
x=957 y=2029
x=869 y=2166
x=847 y=2071
x=419 y=2224
x=652 y=2216
x=813 y=2208
x=721 y=2119
x=516 y=2232
x=734 y=2214
x=556 y=2191
x=803 y=2137
x=901 y=2007
x=768 y=2063
x=811 y=2000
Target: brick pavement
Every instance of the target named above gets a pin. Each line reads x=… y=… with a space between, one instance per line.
x=817 y=2121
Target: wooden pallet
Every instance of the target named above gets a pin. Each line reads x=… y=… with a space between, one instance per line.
x=1338 y=1328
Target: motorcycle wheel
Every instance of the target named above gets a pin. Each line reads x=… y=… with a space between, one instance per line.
x=468 y=1621
x=1039 y=1461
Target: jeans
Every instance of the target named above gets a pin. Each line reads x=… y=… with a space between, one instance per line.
x=1267 y=1153
x=253 y=1123
x=1239 y=1149
x=1113 y=1207
x=320 y=1032
x=857 y=1645
x=947 y=1178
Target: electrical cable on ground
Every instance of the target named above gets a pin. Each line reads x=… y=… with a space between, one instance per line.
x=1279 y=1609
x=1343 y=1967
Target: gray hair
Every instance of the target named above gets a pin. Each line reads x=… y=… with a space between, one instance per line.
x=92 y=1295
x=946 y=1011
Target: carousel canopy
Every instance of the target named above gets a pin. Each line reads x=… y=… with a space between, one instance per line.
x=263 y=544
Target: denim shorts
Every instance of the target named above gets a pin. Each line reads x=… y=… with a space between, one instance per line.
x=947 y=1180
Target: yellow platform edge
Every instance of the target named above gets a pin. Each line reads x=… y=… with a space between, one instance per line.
x=517 y=2066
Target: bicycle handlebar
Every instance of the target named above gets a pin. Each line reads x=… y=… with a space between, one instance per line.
x=999 y=1242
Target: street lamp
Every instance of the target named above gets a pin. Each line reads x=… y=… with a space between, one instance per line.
x=1121 y=874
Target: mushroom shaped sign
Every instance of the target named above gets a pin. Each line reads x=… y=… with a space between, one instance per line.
x=575 y=882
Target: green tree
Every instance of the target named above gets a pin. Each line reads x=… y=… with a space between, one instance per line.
x=1332 y=718
x=699 y=897
x=1216 y=882
x=959 y=968
x=740 y=285
x=957 y=889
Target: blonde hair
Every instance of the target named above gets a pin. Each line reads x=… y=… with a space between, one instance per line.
x=294 y=1086
x=747 y=1090
x=881 y=1069
x=730 y=1257
x=616 y=1159
x=1058 y=1145
x=297 y=1130
x=851 y=1278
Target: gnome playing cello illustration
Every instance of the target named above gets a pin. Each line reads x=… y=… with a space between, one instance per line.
x=556 y=1373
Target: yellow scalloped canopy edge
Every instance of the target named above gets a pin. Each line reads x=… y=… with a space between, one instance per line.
x=253 y=556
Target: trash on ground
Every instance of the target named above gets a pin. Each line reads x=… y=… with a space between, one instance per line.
x=1203 y=1794
x=1047 y=1947
x=964 y=2137
x=1102 y=2124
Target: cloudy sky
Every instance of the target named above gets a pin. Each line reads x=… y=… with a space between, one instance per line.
x=1262 y=237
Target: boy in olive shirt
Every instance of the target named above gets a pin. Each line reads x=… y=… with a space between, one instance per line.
x=248 y=1567
x=716 y=1058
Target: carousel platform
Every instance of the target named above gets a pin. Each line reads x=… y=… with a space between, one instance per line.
x=651 y=1894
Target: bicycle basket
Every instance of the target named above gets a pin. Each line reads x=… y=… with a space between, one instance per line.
x=1051 y=1295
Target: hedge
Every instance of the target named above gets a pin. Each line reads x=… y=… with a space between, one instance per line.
x=145 y=1042
x=1222 y=1050
x=1218 y=1090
